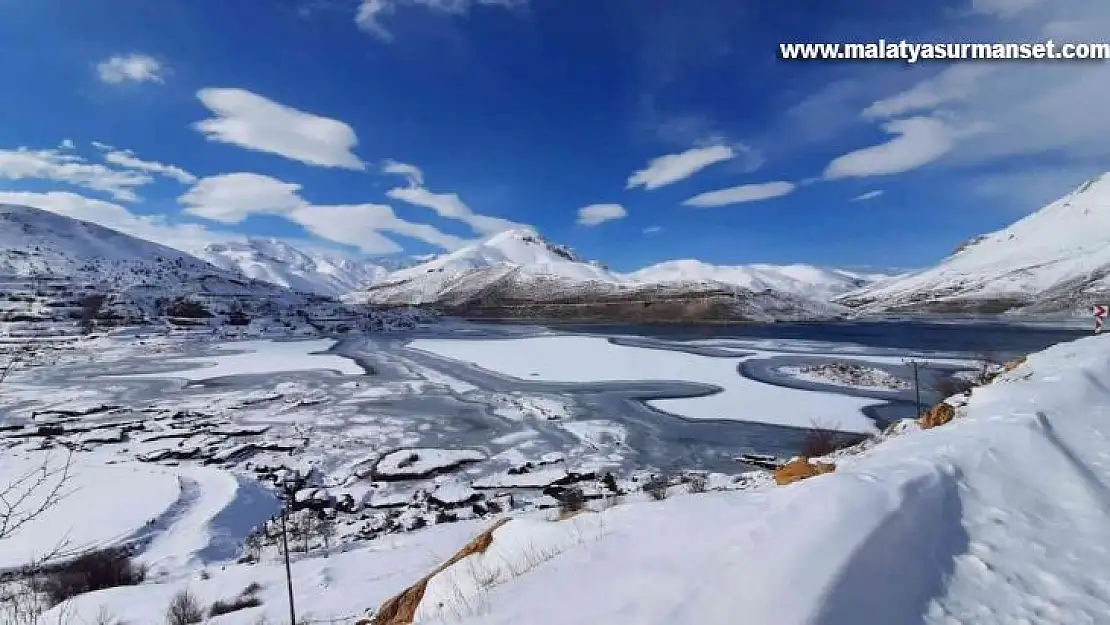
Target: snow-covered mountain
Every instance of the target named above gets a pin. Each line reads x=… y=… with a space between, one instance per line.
x=52 y=267
x=805 y=280
x=518 y=268
x=1055 y=260
x=510 y=257
x=278 y=262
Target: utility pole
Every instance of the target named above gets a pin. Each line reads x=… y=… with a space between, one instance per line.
x=915 y=365
x=288 y=571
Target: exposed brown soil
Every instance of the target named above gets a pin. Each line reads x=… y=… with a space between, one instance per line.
x=936 y=416
x=800 y=469
x=401 y=609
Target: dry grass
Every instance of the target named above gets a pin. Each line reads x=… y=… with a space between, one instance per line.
x=936 y=416
x=800 y=469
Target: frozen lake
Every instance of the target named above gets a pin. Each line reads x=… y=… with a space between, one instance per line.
x=667 y=398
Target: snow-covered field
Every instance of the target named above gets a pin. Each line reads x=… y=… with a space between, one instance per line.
x=998 y=517
x=88 y=512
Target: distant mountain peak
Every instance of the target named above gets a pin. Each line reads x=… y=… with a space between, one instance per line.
x=1056 y=259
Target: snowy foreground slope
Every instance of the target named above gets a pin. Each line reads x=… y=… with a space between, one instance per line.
x=1055 y=260
x=517 y=268
x=1001 y=516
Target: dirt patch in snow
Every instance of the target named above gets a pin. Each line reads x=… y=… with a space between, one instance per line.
x=401 y=609
x=800 y=469
x=938 y=415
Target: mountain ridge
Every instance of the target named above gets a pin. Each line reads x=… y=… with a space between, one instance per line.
x=1054 y=260
x=57 y=270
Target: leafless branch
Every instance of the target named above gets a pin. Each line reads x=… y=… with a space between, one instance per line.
x=28 y=496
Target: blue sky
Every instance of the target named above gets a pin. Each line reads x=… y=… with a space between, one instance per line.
x=202 y=120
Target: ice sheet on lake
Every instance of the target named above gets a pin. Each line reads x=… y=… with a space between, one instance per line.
x=260 y=358
x=588 y=359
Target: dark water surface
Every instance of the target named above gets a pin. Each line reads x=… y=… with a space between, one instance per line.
x=995 y=338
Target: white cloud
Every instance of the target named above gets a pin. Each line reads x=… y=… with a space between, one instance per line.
x=370 y=12
x=361 y=225
x=128 y=160
x=446 y=205
x=57 y=166
x=451 y=206
x=1002 y=115
x=231 y=198
x=181 y=236
x=411 y=173
x=652 y=230
x=596 y=214
x=741 y=194
x=131 y=68
x=918 y=141
x=870 y=195
x=956 y=83
x=67 y=144
x=251 y=121
x=665 y=170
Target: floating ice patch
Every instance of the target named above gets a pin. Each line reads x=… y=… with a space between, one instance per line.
x=259 y=358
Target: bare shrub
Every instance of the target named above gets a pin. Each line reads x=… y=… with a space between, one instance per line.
x=234 y=604
x=252 y=546
x=90 y=308
x=697 y=483
x=987 y=368
x=29 y=495
x=21 y=604
x=95 y=570
x=104 y=617
x=821 y=440
x=184 y=609
x=951 y=385
x=657 y=486
x=571 y=501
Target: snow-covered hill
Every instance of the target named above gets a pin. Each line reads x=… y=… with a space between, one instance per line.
x=278 y=262
x=1055 y=260
x=805 y=280
x=518 y=267
x=58 y=270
